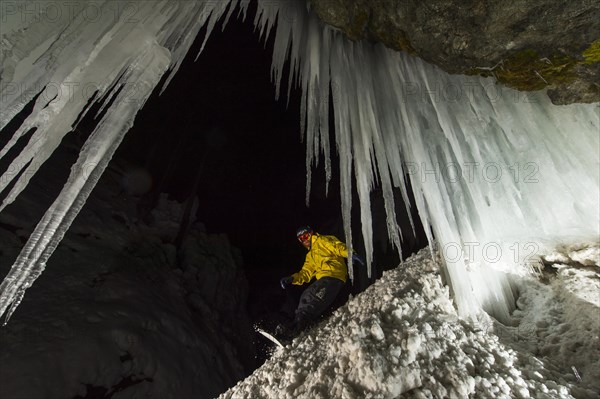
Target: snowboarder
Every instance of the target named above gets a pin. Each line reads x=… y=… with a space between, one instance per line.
x=325 y=261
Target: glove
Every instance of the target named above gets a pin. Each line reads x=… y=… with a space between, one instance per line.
x=286 y=281
x=357 y=259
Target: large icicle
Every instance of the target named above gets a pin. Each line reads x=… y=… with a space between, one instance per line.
x=93 y=159
x=75 y=54
x=496 y=174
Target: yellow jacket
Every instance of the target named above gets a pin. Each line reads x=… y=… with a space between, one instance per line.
x=324 y=259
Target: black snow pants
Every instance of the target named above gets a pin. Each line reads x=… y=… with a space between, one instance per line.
x=316 y=299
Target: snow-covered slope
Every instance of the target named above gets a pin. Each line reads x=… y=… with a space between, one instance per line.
x=402 y=338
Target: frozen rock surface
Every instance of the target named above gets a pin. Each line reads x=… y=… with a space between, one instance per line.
x=527 y=45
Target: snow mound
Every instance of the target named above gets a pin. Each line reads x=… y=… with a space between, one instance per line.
x=559 y=317
x=403 y=338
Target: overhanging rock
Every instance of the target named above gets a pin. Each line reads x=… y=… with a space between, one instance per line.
x=526 y=45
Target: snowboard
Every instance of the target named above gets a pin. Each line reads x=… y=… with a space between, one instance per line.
x=269 y=337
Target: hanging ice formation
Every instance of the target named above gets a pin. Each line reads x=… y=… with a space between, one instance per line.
x=76 y=54
x=497 y=174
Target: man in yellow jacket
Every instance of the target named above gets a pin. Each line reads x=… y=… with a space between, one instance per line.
x=325 y=261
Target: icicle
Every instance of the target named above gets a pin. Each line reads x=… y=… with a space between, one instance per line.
x=118 y=54
x=146 y=71
x=343 y=144
x=14 y=304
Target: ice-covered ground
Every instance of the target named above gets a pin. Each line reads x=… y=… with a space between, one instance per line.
x=402 y=338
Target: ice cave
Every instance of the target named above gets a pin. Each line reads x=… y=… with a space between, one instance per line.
x=157 y=156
